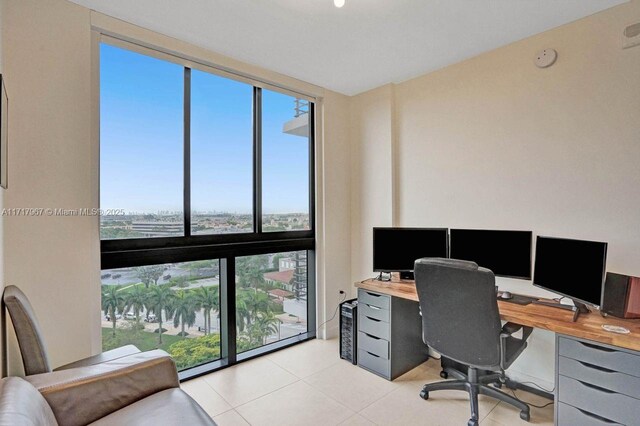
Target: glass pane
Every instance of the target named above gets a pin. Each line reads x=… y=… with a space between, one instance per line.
x=285 y=162
x=271 y=298
x=221 y=155
x=141 y=145
x=174 y=307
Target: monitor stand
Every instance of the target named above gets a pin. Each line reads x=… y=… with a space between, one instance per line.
x=406 y=276
x=579 y=308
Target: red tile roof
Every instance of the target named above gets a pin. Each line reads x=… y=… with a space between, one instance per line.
x=284 y=277
x=278 y=292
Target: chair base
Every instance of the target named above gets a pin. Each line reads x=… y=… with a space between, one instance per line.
x=476 y=385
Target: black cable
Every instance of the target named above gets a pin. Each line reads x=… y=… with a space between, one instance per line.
x=344 y=297
x=528 y=403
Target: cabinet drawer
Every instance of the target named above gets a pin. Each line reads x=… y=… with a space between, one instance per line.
x=374 y=299
x=374 y=363
x=599 y=376
x=374 y=345
x=601 y=402
x=373 y=327
x=374 y=312
x=571 y=416
x=594 y=354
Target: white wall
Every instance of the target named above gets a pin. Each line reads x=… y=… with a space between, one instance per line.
x=2 y=191
x=54 y=158
x=494 y=142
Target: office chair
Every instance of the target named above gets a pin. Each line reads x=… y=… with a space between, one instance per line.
x=460 y=320
x=32 y=348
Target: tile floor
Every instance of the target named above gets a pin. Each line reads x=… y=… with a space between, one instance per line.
x=309 y=384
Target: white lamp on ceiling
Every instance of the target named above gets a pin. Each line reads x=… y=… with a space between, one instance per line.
x=338 y=3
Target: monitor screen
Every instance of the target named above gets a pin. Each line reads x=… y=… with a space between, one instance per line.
x=572 y=268
x=396 y=249
x=506 y=253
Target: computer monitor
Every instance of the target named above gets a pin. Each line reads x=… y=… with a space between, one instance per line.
x=396 y=249
x=506 y=253
x=572 y=268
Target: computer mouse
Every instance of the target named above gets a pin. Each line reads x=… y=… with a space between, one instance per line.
x=506 y=295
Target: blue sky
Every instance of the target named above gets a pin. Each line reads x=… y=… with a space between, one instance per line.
x=141 y=140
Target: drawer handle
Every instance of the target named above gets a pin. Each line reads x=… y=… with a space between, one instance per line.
x=596 y=367
x=372 y=337
x=595 y=416
x=374 y=307
x=372 y=319
x=596 y=347
x=589 y=385
x=373 y=294
x=372 y=354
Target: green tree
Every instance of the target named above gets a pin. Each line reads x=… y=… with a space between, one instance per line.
x=184 y=310
x=207 y=299
x=160 y=300
x=150 y=274
x=136 y=299
x=112 y=302
x=265 y=325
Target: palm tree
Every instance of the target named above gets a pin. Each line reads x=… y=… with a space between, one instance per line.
x=266 y=324
x=256 y=303
x=207 y=299
x=243 y=314
x=112 y=302
x=136 y=299
x=160 y=299
x=184 y=310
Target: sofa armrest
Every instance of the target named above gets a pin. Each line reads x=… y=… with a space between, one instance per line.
x=82 y=395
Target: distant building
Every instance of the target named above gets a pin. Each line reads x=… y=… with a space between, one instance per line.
x=158 y=229
x=280 y=279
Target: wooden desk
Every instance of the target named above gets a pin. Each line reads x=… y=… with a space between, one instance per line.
x=588 y=326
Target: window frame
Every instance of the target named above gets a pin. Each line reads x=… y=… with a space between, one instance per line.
x=120 y=253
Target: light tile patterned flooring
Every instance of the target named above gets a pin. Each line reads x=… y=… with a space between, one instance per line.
x=309 y=384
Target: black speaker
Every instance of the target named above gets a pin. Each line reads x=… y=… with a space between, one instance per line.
x=621 y=296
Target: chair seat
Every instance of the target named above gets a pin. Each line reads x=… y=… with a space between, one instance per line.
x=170 y=407
x=103 y=357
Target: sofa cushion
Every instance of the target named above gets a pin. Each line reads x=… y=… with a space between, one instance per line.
x=22 y=405
x=170 y=407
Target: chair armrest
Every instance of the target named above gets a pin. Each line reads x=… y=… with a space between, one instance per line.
x=102 y=357
x=82 y=395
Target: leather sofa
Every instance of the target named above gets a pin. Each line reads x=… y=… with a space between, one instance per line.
x=139 y=389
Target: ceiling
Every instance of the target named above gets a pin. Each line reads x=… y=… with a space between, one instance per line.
x=365 y=44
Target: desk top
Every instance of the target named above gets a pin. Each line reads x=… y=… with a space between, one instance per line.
x=587 y=326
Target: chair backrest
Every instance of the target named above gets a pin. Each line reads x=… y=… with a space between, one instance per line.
x=22 y=405
x=460 y=317
x=25 y=324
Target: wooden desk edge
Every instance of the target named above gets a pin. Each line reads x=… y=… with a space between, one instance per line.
x=588 y=326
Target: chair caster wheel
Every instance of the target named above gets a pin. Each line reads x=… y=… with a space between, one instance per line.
x=497 y=385
x=424 y=394
x=472 y=422
x=524 y=415
x=444 y=374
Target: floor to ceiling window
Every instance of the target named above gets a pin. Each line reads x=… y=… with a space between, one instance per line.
x=206 y=190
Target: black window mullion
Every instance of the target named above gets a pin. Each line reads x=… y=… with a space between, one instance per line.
x=187 y=152
x=228 y=309
x=312 y=166
x=257 y=159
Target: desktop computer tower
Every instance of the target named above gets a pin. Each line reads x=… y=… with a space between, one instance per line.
x=349 y=330
x=621 y=296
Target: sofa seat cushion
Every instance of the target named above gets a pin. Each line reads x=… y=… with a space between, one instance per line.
x=169 y=407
